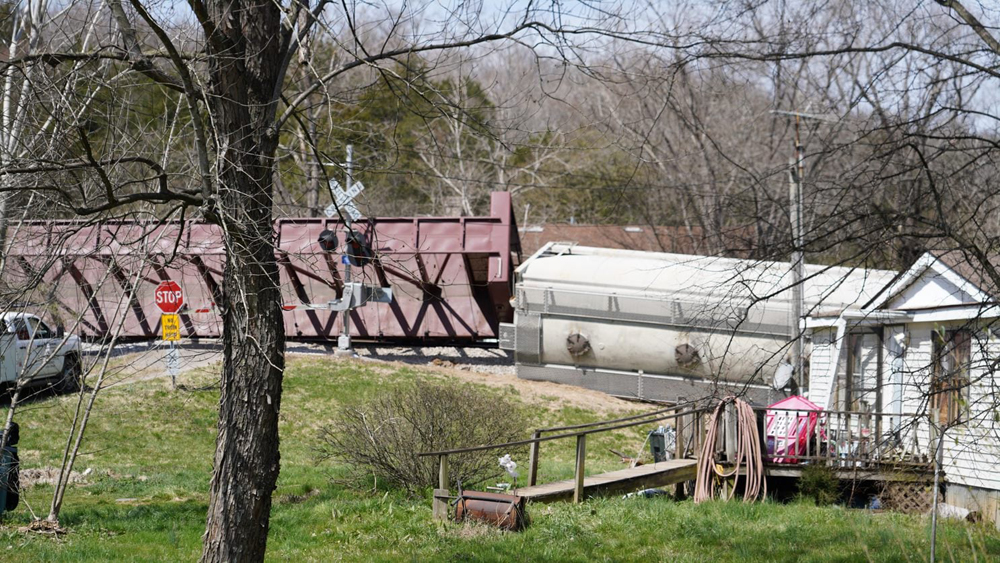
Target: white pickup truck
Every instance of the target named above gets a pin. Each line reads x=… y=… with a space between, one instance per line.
x=30 y=349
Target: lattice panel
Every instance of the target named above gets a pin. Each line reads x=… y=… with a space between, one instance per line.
x=911 y=497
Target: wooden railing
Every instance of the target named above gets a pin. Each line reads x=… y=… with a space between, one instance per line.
x=852 y=439
x=840 y=439
x=689 y=428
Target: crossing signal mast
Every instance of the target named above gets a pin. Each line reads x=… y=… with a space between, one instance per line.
x=357 y=252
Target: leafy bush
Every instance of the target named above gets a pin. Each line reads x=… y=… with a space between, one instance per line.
x=819 y=483
x=384 y=434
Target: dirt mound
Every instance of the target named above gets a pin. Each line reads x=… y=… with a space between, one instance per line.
x=545 y=393
x=31 y=476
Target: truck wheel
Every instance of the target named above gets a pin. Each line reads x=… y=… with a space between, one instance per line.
x=69 y=380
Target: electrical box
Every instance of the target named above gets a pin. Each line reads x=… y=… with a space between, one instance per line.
x=662 y=443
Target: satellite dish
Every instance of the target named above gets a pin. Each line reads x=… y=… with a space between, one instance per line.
x=783 y=375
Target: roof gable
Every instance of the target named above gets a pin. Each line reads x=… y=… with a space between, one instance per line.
x=931 y=283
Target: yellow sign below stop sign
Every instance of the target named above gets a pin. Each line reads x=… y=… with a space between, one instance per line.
x=171 y=324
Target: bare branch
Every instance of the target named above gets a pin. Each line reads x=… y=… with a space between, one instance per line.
x=973 y=22
x=191 y=93
x=137 y=60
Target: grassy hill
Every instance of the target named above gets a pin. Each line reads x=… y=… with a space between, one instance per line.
x=149 y=451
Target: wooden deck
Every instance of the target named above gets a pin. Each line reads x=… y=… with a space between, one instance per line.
x=884 y=473
x=888 y=447
x=616 y=482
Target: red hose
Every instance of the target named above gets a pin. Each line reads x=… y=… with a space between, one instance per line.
x=748 y=454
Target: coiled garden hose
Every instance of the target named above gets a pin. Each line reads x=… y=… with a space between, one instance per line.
x=748 y=454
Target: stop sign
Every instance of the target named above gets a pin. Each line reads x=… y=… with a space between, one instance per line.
x=169 y=296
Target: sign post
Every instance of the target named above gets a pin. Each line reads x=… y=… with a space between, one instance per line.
x=344 y=201
x=169 y=298
x=357 y=252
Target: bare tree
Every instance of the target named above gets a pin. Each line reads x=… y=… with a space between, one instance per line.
x=223 y=93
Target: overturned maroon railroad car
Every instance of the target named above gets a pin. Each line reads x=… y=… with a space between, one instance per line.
x=451 y=276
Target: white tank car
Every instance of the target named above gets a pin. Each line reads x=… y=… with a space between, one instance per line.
x=666 y=327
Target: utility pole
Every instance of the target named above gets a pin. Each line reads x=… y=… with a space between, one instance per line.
x=796 y=174
x=935 y=421
x=344 y=342
x=795 y=216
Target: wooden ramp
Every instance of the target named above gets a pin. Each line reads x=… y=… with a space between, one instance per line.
x=616 y=482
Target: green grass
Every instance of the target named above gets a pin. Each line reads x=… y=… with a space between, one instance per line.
x=150 y=450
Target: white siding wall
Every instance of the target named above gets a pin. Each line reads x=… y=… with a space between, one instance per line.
x=822 y=368
x=893 y=369
x=916 y=368
x=972 y=450
x=916 y=382
x=933 y=290
x=869 y=371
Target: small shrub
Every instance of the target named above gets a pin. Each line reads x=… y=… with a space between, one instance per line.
x=384 y=434
x=819 y=483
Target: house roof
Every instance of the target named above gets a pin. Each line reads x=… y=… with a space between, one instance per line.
x=964 y=274
x=972 y=269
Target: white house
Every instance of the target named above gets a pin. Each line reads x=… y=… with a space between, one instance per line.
x=925 y=348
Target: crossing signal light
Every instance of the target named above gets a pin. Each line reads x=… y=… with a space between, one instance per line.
x=328 y=240
x=359 y=252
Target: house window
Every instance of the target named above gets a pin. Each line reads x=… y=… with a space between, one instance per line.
x=855 y=373
x=863 y=376
x=950 y=382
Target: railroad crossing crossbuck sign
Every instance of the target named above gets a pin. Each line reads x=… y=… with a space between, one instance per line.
x=344 y=200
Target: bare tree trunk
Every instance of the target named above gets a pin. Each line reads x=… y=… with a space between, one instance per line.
x=3 y=230
x=79 y=426
x=244 y=59
x=246 y=453
x=315 y=172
